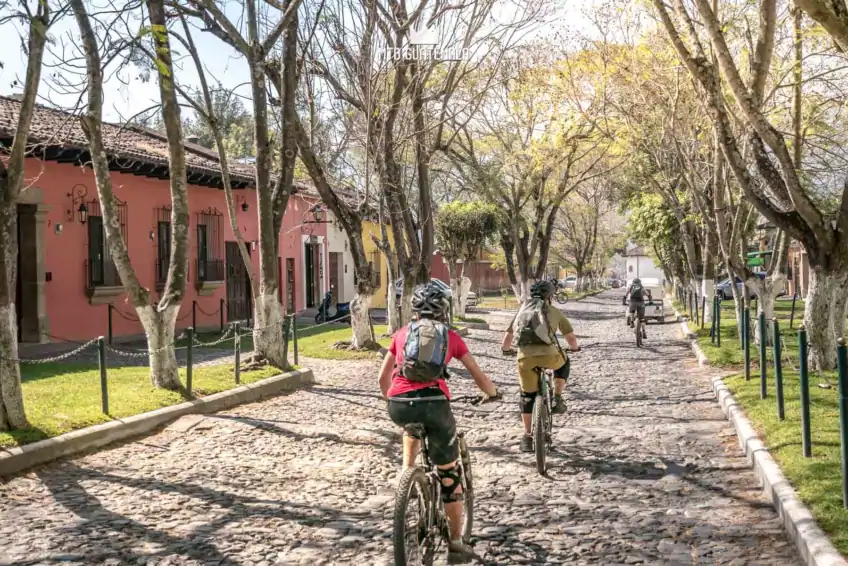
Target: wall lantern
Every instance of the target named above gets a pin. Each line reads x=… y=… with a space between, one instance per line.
x=58 y=228
x=82 y=213
x=244 y=206
x=318 y=214
x=77 y=195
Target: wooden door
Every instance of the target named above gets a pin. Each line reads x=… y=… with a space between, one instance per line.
x=238 y=285
x=335 y=262
x=290 y=284
x=311 y=265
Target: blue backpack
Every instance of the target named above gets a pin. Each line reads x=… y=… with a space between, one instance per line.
x=425 y=351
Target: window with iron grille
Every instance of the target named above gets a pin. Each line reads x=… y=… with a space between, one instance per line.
x=163 y=244
x=210 y=245
x=100 y=270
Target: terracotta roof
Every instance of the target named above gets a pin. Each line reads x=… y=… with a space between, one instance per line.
x=637 y=251
x=52 y=128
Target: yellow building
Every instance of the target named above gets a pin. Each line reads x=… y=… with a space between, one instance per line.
x=378 y=261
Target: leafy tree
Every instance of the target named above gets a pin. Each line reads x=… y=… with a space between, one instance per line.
x=462 y=231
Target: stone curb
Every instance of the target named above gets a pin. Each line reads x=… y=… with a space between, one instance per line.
x=476 y=325
x=813 y=544
x=23 y=457
x=703 y=360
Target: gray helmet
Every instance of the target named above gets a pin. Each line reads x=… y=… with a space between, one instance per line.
x=542 y=289
x=430 y=299
x=636 y=281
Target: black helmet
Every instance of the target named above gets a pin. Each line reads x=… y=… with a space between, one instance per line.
x=542 y=289
x=636 y=281
x=430 y=299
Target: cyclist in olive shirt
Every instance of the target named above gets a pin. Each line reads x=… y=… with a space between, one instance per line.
x=544 y=356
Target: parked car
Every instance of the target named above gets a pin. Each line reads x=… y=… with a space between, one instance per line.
x=569 y=282
x=471 y=299
x=724 y=290
x=439 y=282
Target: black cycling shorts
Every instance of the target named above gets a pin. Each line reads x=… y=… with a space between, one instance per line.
x=638 y=307
x=438 y=421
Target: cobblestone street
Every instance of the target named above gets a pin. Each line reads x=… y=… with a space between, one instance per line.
x=647 y=471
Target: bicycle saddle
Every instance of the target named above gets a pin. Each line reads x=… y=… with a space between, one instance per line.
x=415 y=430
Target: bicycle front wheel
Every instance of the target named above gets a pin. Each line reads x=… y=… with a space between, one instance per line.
x=468 y=490
x=412 y=536
x=540 y=443
x=561 y=297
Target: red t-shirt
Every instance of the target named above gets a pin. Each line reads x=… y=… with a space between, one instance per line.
x=456 y=349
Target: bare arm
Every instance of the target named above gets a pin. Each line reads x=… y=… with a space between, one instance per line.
x=507 y=340
x=386 y=373
x=481 y=379
x=572 y=342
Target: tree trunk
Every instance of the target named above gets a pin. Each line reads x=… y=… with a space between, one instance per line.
x=824 y=325
x=268 y=329
x=12 y=414
x=453 y=267
x=360 y=321
x=159 y=330
x=405 y=299
x=464 y=288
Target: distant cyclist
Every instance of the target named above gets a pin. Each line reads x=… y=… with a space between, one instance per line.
x=536 y=325
x=413 y=380
x=636 y=295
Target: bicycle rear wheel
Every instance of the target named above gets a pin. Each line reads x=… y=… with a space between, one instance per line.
x=638 y=326
x=467 y=489
x=540 y=444
x=411 y=535
x=561 y=297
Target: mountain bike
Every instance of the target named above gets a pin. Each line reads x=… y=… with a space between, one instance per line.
x=561 y=296
x=419 y=497
x=637 y=326
x=542 y=420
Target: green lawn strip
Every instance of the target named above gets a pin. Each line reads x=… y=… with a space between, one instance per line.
x=498 y=303
x=468 y=319
x=818 y=480
x=317 y=342
x=60 y=398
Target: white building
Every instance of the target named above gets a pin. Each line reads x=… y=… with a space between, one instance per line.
x=640 y=264
x=339 y=262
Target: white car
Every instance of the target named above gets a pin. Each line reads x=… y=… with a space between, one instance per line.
x=569 y=282
x=471 y=299
x=654 y=308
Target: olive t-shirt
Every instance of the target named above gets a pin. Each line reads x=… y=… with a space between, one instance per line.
x=557 y=321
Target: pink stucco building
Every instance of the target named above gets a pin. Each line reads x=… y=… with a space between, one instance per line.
x=66 y=280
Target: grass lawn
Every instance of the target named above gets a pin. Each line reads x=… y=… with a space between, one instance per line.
x=313 y=342
x=468 y=319
x=510 y=302
x=818 y=480
x=60 y=398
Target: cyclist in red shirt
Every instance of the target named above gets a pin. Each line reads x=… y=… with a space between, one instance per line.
x=429 y=404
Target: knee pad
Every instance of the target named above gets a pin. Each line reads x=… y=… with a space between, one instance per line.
x=527 y=401
x=450 y=476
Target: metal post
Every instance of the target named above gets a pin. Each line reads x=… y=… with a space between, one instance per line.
x=237 y=351
x=189 y=358
x=695 y=302
x=778 y=368
x=746 y=341
x=221 y=311
x=703 y=311
x=792 y=314
x=763 y=361
x=294 y=337
x=713 y=324
x=194 y=314
x=104 y=389
x=842 y=368
x=806 y=437
x=718 y=321
x=450 y=312
x=110 y=322
x=285 y=338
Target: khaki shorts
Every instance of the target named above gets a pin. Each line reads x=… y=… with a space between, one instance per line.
x=526 y=369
